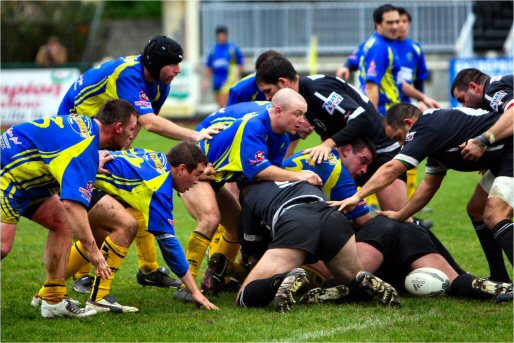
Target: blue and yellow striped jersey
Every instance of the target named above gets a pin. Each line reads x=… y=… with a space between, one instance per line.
x=247 y=147
x=58 y=153
x=379 y=64
x=412 y=62
x=227 y=115
x=122 y=78
x=142 y=178
x=338 y=184
x=245 y=90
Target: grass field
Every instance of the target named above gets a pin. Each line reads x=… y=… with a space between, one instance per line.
x=163 y=319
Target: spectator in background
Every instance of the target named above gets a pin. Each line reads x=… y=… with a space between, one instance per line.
x=52 y=53
x=224 y=66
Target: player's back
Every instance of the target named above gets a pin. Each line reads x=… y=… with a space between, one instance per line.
x=229 y=114
x=245 y=90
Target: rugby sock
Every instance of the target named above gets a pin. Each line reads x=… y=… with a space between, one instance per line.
x=114 y=255
x=228 y=248
x=216 y=240
x=145 y=244
x=412 y=182
x=492 y=251
x=503 y=234
x=462 y=286
x=53 y=291
x=236 y=270
x=84 y=271
x=316 y=279
x=196 y=248
x=261 y=292
x=78 y=261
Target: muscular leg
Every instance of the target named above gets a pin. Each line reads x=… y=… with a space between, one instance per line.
x=490 y=246
x=435 y=261
x=370 y=257
x=393 y=197
x=8 y=232
x=345 y=264
x=498 y=217
x=201 y=203
x=230 y=211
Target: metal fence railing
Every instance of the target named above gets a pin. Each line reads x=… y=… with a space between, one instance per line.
x=339 y=26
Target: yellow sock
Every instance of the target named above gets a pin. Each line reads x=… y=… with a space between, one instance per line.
x=412 y=182
x=78 y=261
x=228 y=248
x=196 y=248
x=53 y=291
x=114 y=255
x=84 y=271
x=216 y=239
x=145 y=244
x=236 y=270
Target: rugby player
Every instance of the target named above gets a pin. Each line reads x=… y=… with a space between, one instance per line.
x=60 y=156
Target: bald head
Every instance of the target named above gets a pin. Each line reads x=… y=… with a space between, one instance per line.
x=286 y=98
x=287 y=110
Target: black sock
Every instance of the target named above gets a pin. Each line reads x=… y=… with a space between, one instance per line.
x=503 y=234
x=261 y=292
x=462 y=287
x=493 y=252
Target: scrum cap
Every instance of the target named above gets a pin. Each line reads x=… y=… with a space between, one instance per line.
x=159 y=52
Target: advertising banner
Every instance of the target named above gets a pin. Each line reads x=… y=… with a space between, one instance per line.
x=28 y=94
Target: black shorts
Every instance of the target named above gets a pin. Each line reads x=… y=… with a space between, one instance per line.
x=380 y=159
x=505 y=167
x=315 y=227
x=400 y=243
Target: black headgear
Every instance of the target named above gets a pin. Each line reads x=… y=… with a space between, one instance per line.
x=221 y=29
x=159 y=52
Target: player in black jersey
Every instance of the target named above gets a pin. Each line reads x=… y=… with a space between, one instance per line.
x=298 y=227
x=339 y=113
x=437 y=134
x=474 y=89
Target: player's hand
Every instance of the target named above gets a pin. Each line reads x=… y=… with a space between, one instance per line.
x=98 y=260
x=431 y=102
x=309 y=176
x=208 y=173
x=343 y=73
x=104 y=158
x=390 y=214
x=318 y=154
x=207 y=133
x=472 y=150
x=200 y=300
x=422 y=107
x=347 y=204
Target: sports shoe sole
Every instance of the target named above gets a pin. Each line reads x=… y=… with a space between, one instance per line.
x=293 y=281
x=324 y=295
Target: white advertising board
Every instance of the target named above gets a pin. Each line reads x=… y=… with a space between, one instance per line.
x=28 y=94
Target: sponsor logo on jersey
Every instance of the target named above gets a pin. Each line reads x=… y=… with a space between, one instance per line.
x=80 y=125
x=157 y=161
x=142 y=104
x=332 y=102
x=259 y=158
x=143 y=96
x=410 y=136
x=86 y=192
x=361 y=203
x=171 y=221
x=496 y=102
x=372 y=70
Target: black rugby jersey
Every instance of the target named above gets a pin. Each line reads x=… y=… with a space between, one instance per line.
x=339 y=111
x=498 y=94
x=438 y=133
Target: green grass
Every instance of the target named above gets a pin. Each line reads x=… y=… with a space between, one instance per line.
x=163 y=319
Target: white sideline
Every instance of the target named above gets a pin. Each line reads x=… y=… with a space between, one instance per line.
x=366 y=324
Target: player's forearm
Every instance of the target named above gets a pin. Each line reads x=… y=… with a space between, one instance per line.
x=382 y=178
x=412 y=92
x=76 y=215
x=274 y=173
x=167 y=128
x=421 y=197
x=504 y=127
x=373 y=93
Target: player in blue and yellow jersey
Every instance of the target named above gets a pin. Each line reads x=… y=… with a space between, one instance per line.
x=144 y=180
x=227 y=115
x=59 y=156
x=253 y=146
x=380 y=65
x=143 y=80
x=339 y=171
x=246 y=89
x=224 y=66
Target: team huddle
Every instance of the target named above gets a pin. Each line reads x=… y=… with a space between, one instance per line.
x=278 y=226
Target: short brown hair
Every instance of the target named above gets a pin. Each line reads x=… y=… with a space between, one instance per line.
x=187 y=153
x=116 y=110
x=465 y=76
x=398 y=112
